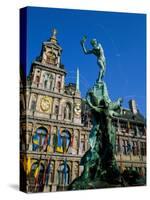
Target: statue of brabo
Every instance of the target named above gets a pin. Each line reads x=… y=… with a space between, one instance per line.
x=99 y=162
x=99 y=53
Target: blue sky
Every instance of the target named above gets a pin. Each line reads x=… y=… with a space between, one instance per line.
x=122 y=35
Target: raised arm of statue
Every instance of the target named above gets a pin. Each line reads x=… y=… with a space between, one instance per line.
x=86 y=51
x=97 y=50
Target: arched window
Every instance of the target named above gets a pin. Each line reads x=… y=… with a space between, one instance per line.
x=36 y=183
x=66 y=140
x=67 y=111
x=39 y=138
x=46 y=78
x=63 y=174
x=49 y=174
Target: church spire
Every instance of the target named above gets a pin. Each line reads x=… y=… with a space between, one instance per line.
x=77 y=81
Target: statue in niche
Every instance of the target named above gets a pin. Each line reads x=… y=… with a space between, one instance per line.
x=67 y=114
x=51 y=82
x=48 y=81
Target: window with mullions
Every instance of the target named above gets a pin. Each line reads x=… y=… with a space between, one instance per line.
x=135 y=149
x=63 y=175
x=51 y=79
x=141 y=130
x=56 y=110
x=134 y=129
x=123 y=125
x=143 y=148
x=118 y=148
x=125 y=146
x=39 y=138
x=49 y=175
x=66 y=139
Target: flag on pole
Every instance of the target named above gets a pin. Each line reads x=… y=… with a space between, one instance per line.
x=55 y=142
x=48 y=143
x=24 y=163
x=59 y=142
x=37 y=170
x=35 y=141
x=45 y=143
x=36 y=174
x=72 y=140
x=28 y=166
x=44 y=175
x=47 y=171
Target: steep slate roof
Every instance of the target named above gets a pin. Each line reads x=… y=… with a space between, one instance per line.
x=127 y=114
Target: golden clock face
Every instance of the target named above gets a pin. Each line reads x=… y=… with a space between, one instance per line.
x=77 y=109
x=45 y=103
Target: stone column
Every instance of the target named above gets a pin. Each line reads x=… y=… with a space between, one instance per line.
x=41 y=80
x=29 y=139
x=79 y=142
x=54 y=185
x=62 y=84
x=55 y=83
x=138 y=148
x=27 y=100
x=72 y=171
x=53 y=115
x=58 y=59
x=59 y=112
x=120 y=145
x=32 y=132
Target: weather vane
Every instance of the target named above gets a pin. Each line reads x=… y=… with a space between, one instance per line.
x=54 y=32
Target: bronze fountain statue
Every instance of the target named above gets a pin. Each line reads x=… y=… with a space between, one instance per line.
x=100 y=166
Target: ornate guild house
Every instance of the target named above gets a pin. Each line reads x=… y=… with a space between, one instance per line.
x=55 y=124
